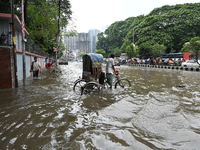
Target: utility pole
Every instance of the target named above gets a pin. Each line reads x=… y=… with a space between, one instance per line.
x=14 y=43
x=58 y=33
x=23 y=44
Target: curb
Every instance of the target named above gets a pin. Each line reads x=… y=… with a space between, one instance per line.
x=167 y=67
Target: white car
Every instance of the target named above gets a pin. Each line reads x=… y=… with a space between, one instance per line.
x=190 y=63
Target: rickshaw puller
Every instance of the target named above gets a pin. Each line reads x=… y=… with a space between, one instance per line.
x=110 y=69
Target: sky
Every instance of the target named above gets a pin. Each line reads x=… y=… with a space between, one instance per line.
x=96 y=14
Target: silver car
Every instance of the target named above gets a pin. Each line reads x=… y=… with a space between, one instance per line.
x=190 y=63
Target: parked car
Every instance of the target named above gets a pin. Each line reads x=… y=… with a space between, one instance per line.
x=190 y=63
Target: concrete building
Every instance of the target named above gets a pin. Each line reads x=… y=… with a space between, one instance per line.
x=7 y=53
x=83 y=42
x=11 y=64
x=93 y=39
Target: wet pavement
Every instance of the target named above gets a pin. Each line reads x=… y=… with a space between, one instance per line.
x=161 y=110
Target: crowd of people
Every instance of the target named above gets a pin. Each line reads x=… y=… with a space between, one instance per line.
x=151 y=61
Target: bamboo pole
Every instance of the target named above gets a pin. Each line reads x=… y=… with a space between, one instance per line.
x=23 y=44
x=14 y=43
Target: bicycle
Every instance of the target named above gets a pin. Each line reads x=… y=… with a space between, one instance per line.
x=91 y=70
x=78 y=84
x=94 y=87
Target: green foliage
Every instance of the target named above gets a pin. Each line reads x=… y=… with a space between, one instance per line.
x=136 y=51
x=101 y=51
x=168 y=26
x=145 y=50
x=131 y=36
x=193 y=45
x=82 y=53
x=129 y=51
x=102 y=42
x=41 y=19
x=117 y=52
x=41 y=27
x=44 y=19
x=113 y=37
x=157 y=50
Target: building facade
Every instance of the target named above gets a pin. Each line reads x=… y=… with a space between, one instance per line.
x=7 y=52
x=83 y=42
x=93 y=39
x=11 y=64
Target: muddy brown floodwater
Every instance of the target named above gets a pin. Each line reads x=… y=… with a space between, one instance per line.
x=161 y=111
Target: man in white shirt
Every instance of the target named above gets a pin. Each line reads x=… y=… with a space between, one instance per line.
x=110 y=69
x=36 y=67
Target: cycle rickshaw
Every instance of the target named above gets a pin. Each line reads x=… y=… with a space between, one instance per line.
x=93 y=79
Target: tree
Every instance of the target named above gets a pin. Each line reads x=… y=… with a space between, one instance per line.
x=114 y=35
x=129 y=51
x=41 y=25
x=193 y=45
x=136 y=51
x=173 y=25
x=145 y=50
x=82 y=53
x=170 y=26
x=101 y=51
x=157 y=50
x=131 y=36
x=103 y=43
x=44 y=20
x=117 y=52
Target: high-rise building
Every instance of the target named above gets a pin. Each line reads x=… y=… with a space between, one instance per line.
x=79 y=42
x=93 y=39
x=82 y=42
x=70 y=42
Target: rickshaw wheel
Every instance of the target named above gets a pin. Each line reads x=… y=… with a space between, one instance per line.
x=104 y=86
x=122 y=83
x=78 y=85
x=90 y=88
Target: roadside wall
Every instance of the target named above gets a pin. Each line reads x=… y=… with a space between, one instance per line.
x=7 y=69
x=29 y=59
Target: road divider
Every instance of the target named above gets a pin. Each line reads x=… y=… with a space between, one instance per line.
x=166 y=67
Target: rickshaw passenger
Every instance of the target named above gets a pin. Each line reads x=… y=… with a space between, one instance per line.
x=110 y=69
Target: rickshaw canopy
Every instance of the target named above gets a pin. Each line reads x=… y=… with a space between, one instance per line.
x=94 y=57
x=92 y=65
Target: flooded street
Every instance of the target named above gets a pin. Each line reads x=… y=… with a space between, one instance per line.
x=161 y=110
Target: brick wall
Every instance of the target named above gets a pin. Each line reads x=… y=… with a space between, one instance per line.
x=7 y=77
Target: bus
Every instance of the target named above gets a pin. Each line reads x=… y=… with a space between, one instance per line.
x=186 y=55
x=172 y=55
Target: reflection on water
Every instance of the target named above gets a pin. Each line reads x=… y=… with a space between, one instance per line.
x=160 y=111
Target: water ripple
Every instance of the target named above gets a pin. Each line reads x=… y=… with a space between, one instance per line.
x=160 y=111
